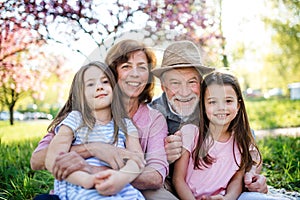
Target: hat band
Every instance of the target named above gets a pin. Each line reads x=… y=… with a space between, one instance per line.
x=180 y=64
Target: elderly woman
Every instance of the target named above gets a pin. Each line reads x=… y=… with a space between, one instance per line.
x=132 y=63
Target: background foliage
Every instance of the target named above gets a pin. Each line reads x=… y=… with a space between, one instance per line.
x=29 y=26
x=273 y=113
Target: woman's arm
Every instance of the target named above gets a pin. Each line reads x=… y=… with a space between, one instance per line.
x=180 y=171
x=152 y=141
x=37 y=160
x=61 y=143
x=67 y=163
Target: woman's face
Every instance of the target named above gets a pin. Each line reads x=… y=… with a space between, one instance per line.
x=133 y=75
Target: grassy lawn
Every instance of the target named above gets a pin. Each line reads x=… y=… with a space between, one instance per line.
x=280 y=154
x=17 y=142
x=273 y=113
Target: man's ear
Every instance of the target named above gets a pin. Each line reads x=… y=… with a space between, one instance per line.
x=162 y=87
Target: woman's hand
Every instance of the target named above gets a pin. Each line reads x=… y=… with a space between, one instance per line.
x=115 y=157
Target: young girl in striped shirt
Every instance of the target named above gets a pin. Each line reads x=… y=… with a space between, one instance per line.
x=93 y=113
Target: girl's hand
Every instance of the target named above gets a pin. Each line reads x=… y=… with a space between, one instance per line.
x=110 y=182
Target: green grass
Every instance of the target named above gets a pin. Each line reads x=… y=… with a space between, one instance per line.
x=274 y=113
x=281 y=163
x=280 y=154
x=22 y=130
x=17 y=180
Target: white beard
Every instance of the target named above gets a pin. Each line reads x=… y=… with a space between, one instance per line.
x=184 y=110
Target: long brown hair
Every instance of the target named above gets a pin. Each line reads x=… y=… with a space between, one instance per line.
x=121 y=52
x=77 y=101
x=239 y=125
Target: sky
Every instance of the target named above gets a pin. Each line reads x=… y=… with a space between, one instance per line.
x=241 y=23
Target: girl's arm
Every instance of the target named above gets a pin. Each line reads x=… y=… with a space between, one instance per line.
x=235 y=187
x=61 y=143
x=110 y=182
x=133 y=145
x=131 y=169
x=180 y=171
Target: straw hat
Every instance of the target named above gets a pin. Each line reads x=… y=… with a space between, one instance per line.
x=181 y=54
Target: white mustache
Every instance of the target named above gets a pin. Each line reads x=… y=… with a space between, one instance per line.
x=184 y=110
x=185 y=99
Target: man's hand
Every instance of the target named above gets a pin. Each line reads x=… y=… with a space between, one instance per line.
x=173 y=145
x=255 y=182
x=67 y=163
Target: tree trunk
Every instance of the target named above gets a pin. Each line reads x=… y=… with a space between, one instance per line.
x=11 y=114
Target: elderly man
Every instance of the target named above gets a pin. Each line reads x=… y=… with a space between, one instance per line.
x=180 y=75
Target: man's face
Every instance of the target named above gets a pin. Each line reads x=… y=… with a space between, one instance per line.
x=182 y=88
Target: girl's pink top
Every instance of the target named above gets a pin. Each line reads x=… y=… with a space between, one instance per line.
x=214 y=179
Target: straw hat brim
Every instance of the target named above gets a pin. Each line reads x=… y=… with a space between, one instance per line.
x=201 y=68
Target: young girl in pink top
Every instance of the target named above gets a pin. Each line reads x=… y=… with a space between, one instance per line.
x=220 y=149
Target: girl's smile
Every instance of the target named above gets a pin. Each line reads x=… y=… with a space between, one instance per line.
x=221 y=104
